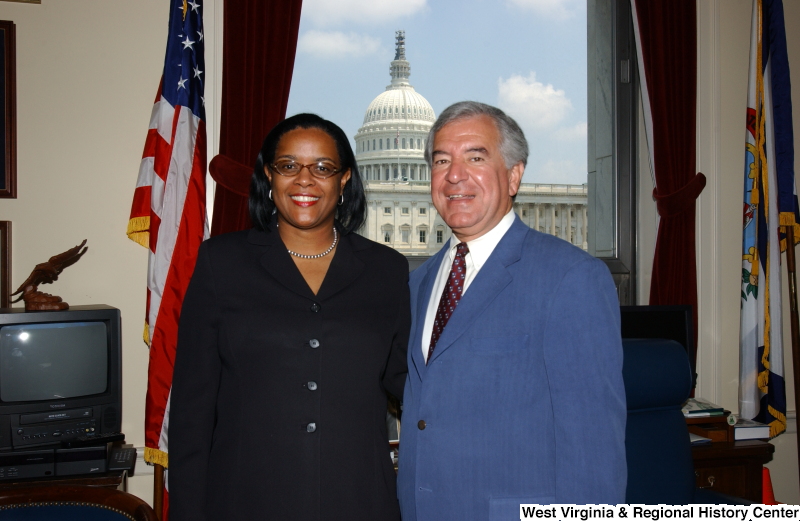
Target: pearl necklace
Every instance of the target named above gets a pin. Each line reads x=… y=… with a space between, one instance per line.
x=317 y=256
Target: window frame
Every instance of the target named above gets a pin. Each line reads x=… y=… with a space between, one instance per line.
x=614 y=17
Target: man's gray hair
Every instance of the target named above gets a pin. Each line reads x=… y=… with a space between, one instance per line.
x=513 y=145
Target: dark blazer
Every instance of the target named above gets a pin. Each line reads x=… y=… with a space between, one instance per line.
x=522 y=400
x=278 y=405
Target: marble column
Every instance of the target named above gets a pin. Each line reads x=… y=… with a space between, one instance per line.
x=585 y=233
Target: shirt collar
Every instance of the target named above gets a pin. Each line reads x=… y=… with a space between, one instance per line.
x=481 y=248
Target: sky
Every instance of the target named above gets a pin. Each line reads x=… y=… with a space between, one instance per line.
x=527 y=57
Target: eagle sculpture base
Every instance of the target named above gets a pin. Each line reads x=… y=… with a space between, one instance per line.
x=38 y=301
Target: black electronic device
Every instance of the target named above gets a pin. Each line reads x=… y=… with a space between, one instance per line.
x=90 y=440
x=668 y=322
x=122 y=458
x=83 y=460
x=60 y=375
x=27 y=464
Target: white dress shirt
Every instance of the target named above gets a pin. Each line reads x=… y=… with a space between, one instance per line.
x=479 y=251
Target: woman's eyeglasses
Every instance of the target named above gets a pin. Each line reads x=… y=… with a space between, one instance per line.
x=320 y=170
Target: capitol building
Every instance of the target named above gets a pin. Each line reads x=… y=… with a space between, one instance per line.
x=389 y=151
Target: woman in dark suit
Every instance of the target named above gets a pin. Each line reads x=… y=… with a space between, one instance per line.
x=290 y=336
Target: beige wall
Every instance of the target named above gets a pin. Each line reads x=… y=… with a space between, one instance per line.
x=87 y=72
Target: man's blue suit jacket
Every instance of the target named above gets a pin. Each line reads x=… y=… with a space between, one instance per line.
x=522 y=400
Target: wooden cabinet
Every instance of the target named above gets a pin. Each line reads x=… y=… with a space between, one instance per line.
x=733 y=468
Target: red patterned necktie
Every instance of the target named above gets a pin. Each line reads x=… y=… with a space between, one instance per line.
x=451 y=294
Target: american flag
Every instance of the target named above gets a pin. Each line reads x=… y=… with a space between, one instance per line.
x=168 y=215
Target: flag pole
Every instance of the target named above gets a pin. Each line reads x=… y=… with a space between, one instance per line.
x=158 y=491
x=795 y=321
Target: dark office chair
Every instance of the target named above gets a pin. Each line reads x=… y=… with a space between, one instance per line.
x=71 y=503
x=658 y=380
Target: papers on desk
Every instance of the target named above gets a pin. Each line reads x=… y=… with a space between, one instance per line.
x=698 y=407
x=696 y=439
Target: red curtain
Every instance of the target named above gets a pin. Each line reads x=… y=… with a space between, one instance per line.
x=260 y=40
x=667 y=31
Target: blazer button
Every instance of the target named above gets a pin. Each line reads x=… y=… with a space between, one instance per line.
x=421 y=425
x=314 y=343
x=311 y=427
x=315 y=307
x=312 y=386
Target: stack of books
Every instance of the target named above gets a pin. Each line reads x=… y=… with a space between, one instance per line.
x=750 y=430
x=700 y=407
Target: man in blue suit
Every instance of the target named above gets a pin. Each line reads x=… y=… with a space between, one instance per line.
x=514 y=392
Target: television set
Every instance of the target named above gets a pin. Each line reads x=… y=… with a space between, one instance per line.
x=60 y=375
x=668 y=322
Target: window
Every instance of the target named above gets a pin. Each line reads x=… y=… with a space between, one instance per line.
x=404 y=210
x=439 y=236
x=610 y=94
x=612 y=132
x=386 y=229
x=387 y=210
x=422 y=236
x=405 y=232
x=423 y=211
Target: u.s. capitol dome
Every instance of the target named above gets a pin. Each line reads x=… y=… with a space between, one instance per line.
x=390 y=155
x=390 y=143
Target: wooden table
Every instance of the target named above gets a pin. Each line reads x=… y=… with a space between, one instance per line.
x=733 y=468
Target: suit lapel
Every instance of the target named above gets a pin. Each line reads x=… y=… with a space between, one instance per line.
x=490 y=281
x=345 y=268
x=274 y=258
x=423 y=297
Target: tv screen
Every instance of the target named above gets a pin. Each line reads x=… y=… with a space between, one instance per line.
x=52 y=361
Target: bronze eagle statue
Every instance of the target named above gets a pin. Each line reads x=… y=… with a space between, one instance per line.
x=47 y=273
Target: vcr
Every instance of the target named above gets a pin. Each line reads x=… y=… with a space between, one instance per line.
x=47 y=428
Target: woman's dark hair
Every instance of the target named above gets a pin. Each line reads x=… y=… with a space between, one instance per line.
x=350 y=214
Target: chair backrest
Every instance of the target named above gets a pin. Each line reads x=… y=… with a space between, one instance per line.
x=68 y=502
x=658 y=379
